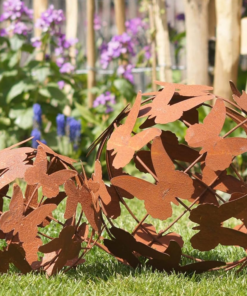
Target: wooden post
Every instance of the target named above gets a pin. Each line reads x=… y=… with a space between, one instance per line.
x=211 y=19
x=162 y=40
x=39 y=6
x=153 y=47
x=228 y=14
x=196 y=15
x=71 y=24
x=90 y=51
x=120 y=15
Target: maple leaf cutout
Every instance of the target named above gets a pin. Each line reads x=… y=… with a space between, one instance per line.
x=171 y=184
x=121 y=141
x=37 y=174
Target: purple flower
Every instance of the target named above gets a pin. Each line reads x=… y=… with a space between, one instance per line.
x=60 y=119
x=36 y=134
x=147 y=52
x=180 y=17
x=20 y=28
x=3 y=32
x=135 y=25
x=50 y=19
x=36 y=42
x=67 y=68
x=119 y=45
x=60 y=61
x=37 y=112
x=14 y=10
x=106 y=99
x=64 y=43
x=97 y=23
x=61 y=84
x=126 y=72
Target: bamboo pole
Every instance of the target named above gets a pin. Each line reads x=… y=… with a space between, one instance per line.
x=228 y=14
x=162 y=41
x=90 y=51
x=71 y=24
x=196 y=12
x=39 y=6
x=120 y=15
x=153 y=47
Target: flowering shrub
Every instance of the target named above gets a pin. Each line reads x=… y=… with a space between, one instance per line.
x=45 y=97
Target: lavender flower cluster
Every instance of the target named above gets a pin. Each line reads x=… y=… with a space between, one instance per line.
x=16 y=13
x=118 y=46
x=107 y=99
x=50 y=23
x=69 y=127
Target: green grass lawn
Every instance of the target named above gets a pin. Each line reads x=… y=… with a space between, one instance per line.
x=101 y=274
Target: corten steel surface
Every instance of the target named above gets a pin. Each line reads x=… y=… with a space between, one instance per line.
x=198 y=172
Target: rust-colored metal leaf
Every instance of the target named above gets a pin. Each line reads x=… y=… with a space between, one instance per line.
x=111 y=204
x=67 y=248
x=171 y=184
x=210 y=218
x=31 y=249
x=12 y=161
x=148 y=236
x=174 y=150
x=14 y=219
x=125 y=145
x=171 y=262
x=49 y=151
x=83 y=196
x=220 y=151
x=37 y=174
x=164 y=112
x=16 y=255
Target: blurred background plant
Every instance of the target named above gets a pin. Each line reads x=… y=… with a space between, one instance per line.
x=65 y=91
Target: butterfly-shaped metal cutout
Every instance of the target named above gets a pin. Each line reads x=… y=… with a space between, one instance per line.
x=37 y=174
x=164 y=112
x=66 y=246
x=220 y=151
x=210 y=219
x=81 y=194
x=49 y=151
x=125 y=145
x=171 y=184
x=25 y=226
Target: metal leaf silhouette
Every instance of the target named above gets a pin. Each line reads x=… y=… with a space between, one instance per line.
x=14 y=219
x=66 y=246
x=111 y=204
x=83 y=196
x=210 y=217
x=163 y=112
x=171 y=184
x=220 y=151
x=16 y=255
x=37 y=174
x=49 y=151
x=13 y=161
x=121 y=141
x=160 y=243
